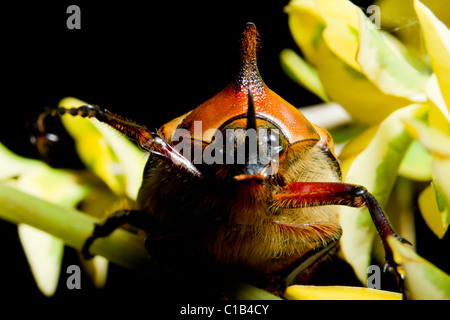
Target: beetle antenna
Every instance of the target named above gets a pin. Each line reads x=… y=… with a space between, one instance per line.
x=146 y=139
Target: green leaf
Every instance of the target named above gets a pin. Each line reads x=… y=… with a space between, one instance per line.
x=435 y=98
x=346 y=132
x=423 y=280
x=333 y=54
x=352 y=90
x=12 y=165
x=43 y=251
x=434 y=140
x=97 y=269
x=434 y=212
x=44 y=254
x=384 y=64
x=399 y=18
x=302 y=72
x=440 y=161
x=73 y=227
x=372 y=160
x=441 y=177
x=341 y=34
x=437 y=40
x=306 y=27
x=115 y=159
x=416 y=164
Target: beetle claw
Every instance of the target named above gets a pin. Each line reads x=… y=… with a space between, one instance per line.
x=86 y=246
x=403 y=240
x=390 y=264
x=85 y=250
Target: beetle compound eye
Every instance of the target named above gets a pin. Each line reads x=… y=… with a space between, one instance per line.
x=276 y=142
x=234 y=138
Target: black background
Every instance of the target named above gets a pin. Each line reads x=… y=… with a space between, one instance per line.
x=148 y=62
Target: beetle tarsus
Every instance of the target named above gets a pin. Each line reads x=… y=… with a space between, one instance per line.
x=390 y=264
x=85 y=250
x=134 y=218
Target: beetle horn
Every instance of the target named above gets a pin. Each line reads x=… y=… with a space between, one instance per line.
x=252 y=161
x=251 y=113
x=249 y=80
x=249 y=74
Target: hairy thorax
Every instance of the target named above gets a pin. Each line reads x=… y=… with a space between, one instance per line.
x=234 y=223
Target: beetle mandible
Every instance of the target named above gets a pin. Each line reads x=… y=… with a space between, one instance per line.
x=275 y=217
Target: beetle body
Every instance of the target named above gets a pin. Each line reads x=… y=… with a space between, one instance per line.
x=246 y=229
x=270 y=207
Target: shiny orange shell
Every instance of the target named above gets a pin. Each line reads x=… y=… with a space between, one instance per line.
x=232 y=103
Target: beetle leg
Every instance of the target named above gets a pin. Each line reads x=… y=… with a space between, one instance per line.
x=146 y=139
x=308 y=194
x=134 y=218
x=158 y=241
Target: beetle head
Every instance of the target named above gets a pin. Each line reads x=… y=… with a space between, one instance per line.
x=248 y=104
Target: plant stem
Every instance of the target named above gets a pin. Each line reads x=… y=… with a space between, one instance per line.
x=73 y=227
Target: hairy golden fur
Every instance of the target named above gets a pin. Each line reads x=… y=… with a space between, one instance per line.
x=235 y=223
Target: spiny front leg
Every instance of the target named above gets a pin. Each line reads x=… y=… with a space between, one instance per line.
x=309 y=194
x=146 y=139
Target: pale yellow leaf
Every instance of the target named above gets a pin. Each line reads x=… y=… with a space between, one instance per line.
x=302 y=72
x=341 y=34
x=105 y=151
x=372 y=160
x=437 y=40
x=436 y=218
x=423 y=280
x=298 y=292
x=434 y=140
x=306 y=27
x=44 y=254
x=364 y=101
x=382 y=61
